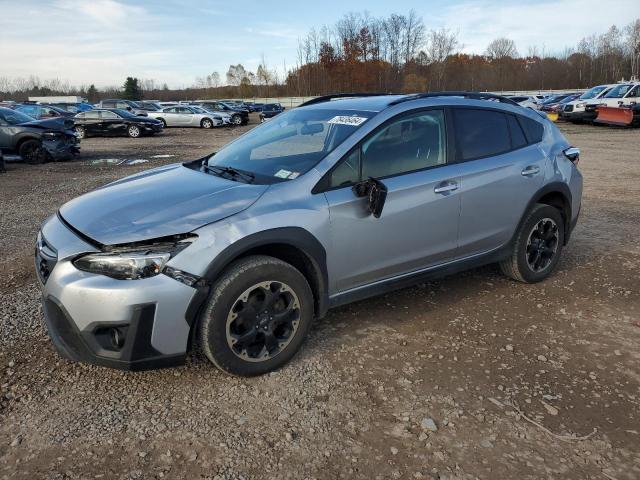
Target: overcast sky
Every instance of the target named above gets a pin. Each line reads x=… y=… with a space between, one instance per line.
x=174 y=41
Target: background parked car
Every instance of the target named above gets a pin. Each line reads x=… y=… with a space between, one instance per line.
x=575 y=111
x=622 y=94
x=556 y=104
x=105 y=122
x=270 y=110
x=128 y=105
x=184 y=116
x=37 y=141
x=73 y=107
x=149 y=105
x=40 y=112
x=526 y=101
x=239 y=116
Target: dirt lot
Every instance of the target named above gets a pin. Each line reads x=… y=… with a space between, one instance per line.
x=473 y=376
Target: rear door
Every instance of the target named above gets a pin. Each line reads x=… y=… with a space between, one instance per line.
x=501 y=167
x=112 y=124
x=419 y=223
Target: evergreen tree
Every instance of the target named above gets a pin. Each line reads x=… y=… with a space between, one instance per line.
x=132 y=90
x=92 y=93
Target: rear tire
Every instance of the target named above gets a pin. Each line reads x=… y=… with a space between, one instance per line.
x=257 y=316
x=538 y=245
x=164 y=122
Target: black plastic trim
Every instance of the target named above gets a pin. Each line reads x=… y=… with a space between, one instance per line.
x=82 y=346
x=296 y=237
x=436 y=272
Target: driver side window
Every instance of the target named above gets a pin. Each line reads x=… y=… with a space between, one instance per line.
x=410 y=143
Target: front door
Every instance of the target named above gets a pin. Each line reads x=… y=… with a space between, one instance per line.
x=419 y=222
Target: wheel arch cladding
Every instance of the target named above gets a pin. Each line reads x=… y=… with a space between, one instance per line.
x=293 y=245
x=557 y=195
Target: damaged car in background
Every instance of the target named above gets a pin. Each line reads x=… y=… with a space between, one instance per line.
x=37 y=141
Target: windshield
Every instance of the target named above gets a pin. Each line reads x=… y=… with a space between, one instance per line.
x=619 y=91
x=123 y=113
x=592 y=93
x=290 y=144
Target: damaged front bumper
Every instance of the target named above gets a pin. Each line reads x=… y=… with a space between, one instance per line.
x=61 y=145
x=91 y=318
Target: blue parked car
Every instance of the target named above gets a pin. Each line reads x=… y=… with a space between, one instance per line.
x=40 y=111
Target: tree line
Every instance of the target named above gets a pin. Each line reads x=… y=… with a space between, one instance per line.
x=396 y=53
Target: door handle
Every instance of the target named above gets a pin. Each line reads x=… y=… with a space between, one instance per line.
x=446 y=187
x=530 y=170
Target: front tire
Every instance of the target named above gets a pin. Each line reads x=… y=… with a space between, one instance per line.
x=206 y=123
x=257 y=317
x=538 y=245
x=81 y=132
x=236 y=120
x=133 y=131
x=32 y=152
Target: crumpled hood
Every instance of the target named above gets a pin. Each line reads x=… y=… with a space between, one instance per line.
x=58 y=123
x=157 y=203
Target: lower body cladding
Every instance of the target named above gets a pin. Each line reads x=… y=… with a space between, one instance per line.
x=125 y=324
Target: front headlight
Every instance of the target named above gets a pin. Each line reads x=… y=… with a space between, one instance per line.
x=581 y=105
x=124 y=265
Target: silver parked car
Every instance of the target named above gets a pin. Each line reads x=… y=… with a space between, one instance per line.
x=338 y=200
x=186 y=116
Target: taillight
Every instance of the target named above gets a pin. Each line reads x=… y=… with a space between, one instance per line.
x=572 y=154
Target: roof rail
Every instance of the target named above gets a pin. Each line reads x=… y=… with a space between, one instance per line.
x=327 y=98
x=470 y=95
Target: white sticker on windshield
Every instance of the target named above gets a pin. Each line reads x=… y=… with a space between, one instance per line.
x=282 y=174
x=347 y=120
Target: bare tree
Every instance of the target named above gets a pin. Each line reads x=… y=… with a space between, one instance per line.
x=632 y=45
x=501 y=48
x=441 y=44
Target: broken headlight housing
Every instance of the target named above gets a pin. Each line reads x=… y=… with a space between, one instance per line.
x=51 y=135
x=132 y=262
x=123 y=266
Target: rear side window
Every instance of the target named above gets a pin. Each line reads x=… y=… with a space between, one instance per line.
x=532 y=129
x=518 y=139
x=480 y=133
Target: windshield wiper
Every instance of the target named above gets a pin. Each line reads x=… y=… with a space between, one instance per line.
x=233 y=172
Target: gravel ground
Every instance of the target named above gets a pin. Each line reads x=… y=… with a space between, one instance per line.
x=473 y=376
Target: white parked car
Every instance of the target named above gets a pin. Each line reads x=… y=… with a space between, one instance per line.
x=225 y=117
x=621 y=94
x=527 y=101
x=186 y=116
x=575 y=110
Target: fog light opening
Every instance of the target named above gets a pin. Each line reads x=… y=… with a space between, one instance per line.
x=117 y=338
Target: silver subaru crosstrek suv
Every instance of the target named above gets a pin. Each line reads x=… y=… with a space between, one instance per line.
x=345 y=197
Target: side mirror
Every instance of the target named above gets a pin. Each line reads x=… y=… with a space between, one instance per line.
x=376 y=193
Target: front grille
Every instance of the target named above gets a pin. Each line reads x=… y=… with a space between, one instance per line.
x=46 y=258
x=568 y=108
